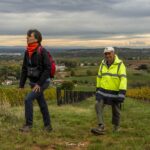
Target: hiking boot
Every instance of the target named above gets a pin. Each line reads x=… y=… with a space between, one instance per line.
x=116 y=128
x=48 y=128
x=26 y=128
x=99 y=130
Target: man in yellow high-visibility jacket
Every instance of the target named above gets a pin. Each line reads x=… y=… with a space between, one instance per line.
x=110 y=89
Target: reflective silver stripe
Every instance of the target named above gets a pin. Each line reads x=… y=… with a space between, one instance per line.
x=121 y=95
x=110 y=74
x=111 y=95
x=115 y=75
x=119 y=67
x=107 y=95
x=101 y=68
x=123 y=75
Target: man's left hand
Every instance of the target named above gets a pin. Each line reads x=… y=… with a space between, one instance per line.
x=120 y=100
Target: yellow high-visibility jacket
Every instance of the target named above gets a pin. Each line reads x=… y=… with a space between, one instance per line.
x=112 y=81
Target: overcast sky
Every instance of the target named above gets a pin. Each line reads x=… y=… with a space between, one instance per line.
x=77 y=22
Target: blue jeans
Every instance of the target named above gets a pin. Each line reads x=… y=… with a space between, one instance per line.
x=39 y=96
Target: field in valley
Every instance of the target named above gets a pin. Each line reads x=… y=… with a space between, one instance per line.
x=72 y=122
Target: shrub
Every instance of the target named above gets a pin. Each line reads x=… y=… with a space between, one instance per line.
x=142 y=93
x=143 y=67
x=88 y=72
x=72 y=73
x=67 y=85
x=75 y=81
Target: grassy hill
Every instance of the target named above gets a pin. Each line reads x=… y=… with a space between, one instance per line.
x=72 y=124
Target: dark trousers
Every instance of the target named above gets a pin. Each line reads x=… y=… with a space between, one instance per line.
x=39 y=96
x=99 y=107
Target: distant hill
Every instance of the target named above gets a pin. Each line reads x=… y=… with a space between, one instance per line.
x=127 y=53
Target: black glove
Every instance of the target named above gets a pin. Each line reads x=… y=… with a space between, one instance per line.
x=121 y=96
x=97 y=95
x=120 y=99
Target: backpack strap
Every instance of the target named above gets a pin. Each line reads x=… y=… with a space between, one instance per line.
x=39 y=50
x=39 y=53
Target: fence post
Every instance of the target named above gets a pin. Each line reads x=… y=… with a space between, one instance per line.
x=75 y=96
x=59 y=98
x=64 y=97
x=72 y=96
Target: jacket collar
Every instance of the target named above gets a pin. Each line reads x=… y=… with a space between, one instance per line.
x=116 y=61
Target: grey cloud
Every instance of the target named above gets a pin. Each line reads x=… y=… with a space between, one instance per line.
x=109 y=7
x=50 y=5
x=85 y=19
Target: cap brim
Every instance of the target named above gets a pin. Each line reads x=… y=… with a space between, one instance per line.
x=107 y=51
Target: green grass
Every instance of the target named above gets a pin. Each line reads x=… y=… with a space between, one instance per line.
x=89 y=79
x=83 y=70
x=83 y=87
x=72 y=124
x=136 y=78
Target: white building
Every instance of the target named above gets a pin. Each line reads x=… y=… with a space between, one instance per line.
x=7 y=82
x=60 y=68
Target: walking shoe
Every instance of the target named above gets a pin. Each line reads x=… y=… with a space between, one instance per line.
x=99 y=130
x=48 y=128
x=26 y=128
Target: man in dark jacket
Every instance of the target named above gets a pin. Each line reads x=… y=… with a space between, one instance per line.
x=36 y=67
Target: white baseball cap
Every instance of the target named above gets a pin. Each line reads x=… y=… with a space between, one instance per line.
x=109 y=49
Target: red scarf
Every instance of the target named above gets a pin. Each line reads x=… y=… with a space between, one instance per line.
x=31 y=48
